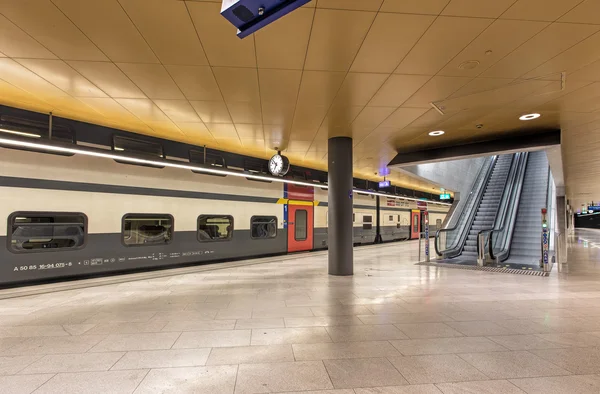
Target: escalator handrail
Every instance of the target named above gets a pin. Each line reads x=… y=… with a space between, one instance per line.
x=505 y=195
x=510 y=218
x=471 y=214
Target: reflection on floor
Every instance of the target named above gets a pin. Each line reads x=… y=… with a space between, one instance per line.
x=286 y=326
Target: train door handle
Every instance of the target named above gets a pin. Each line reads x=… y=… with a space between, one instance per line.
x=290 y=222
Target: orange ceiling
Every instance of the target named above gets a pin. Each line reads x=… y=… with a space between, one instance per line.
x=368 y=69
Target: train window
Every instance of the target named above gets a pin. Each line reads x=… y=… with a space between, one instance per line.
x=367 y=219
x=147 y=229
x=398 y=218
x=301 y=225
x=263 y=227
x=215 y=228
x=46 y=231
x=391 y=218
x=367 y=226
x=353 y=217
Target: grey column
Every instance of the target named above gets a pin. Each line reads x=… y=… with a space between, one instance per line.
x=340 y=227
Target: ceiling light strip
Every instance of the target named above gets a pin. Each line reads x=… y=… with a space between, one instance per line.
x=20 y=133
x=161 y=163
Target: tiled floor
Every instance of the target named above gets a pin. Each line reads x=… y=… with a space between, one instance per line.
x=286 y=326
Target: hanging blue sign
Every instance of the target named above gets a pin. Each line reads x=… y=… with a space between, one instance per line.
x=445 y=196
x=384 y=184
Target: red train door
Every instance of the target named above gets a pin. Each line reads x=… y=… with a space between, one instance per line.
x=415 y=224
x=300 y=226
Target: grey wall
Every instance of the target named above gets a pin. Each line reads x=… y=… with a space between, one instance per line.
x=456 y=175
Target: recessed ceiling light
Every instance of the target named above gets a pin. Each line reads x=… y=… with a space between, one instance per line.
x=468 y=65
x=530 y=116
x=436 y=133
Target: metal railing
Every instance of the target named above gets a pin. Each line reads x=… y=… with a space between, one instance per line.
x=492 y=242
x=450 y=242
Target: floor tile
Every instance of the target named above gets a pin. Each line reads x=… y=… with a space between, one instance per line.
x=436 y=369
x=184 y=315
x=144 y=341
x=480 y=387
x=162 y=359
x=411 y=347
x=363 y=372
x=428 y=330
x=515 y=364
x=340 y=391
x=343 y=310
x=572 y=339
x=245 y=324
x=126 y=328
x=234 y=314
x=33 y=331
x=251 y=354
x=127 y=316
x=413 y=389
x=272 y=378
x=342 y=350
x=577 y=360
x=580 y=384
x=365 y=333
x=84 y=362
x=479 y=328
x=54 y=345
x=197 y=339
x=279 y=336
x=282 y=312
x=213 y=380
x=322 y=321
x=78 y=329
x=22 y=384
x=404 y=318
x=199 y=325
x=524 y=342
x=14 y=364
x=110 y=382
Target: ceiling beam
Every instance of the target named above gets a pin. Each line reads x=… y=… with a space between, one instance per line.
x=539 y=140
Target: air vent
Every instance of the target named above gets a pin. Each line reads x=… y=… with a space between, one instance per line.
x=14 y=127
x=138 y=148
x=210 y=159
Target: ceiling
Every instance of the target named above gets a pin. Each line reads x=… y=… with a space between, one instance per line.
x=368 y=69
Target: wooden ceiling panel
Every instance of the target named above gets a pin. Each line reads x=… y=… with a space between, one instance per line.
x=402 y=117
x=250 y=131
x=109 y=78
x=587 y=11
x=245 y=111
x=309 y=116
x=153 y=80
x=222 y=46
x=279 y=85
x=167 y=28
x=108 y=26
x=333 y=46
x=197 y=131
x=431 y=7
x=63 y=76
x=14 y=96
x=319 y=88
x=223 y=131
x=144 y=109
x=196 y=82
x=548 y=43
x=14 y=42
x=19 y=76
x=497 y=41
x=382 y=51
x=274 y=113
x=358 y=5
x=436 y=89
x=477 y=8
x=359 y=88
x=238 y=84
x=446 y=37
x=397 y=89
x=372 y=116
x=43 y=21
x=178 y=110
x=539 y=10
x=283 y=45
x=212 y=111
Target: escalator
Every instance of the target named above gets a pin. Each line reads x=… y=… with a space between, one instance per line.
x=526 y=237
x=458 y=244
x=488 y=207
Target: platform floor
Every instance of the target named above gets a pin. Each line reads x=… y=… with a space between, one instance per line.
x=286 y=326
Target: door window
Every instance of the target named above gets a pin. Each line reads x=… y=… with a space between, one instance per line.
x=301 y=225
x=415 y=223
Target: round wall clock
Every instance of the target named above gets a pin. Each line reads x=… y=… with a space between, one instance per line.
x=279 y=165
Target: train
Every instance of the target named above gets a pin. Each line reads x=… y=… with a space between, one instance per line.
x=76 y=216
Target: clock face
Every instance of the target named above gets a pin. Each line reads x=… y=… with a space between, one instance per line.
x=276 y=165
